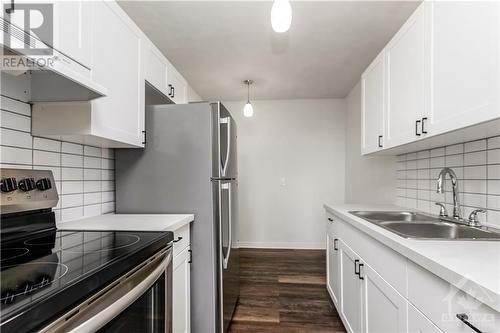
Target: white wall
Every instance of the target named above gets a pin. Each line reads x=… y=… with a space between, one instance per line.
x=291 y=161
x=369 y=179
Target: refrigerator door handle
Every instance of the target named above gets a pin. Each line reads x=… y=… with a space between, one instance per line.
x=227 y=121
x=225 y=260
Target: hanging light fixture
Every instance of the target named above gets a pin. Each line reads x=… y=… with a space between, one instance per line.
x=281 y=15
x=248 y=109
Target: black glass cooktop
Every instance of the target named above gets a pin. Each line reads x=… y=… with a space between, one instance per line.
x=46 y=273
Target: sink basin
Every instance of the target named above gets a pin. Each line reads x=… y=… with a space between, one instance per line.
x=375 y=216
x=421 y=226
x=439 y=230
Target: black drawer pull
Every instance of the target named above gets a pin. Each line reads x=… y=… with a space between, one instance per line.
x=330 y=219
x=380 y=141
x=359 y=271
x=424 y=131
x=178 y=239
x=356 y=267
x=190 y=257
x=335 y=244
x=416 y=127
x=465 y=319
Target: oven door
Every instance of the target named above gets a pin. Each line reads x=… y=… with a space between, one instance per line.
x=141 y=301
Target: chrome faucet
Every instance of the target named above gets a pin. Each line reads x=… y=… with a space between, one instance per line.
x=454 y=183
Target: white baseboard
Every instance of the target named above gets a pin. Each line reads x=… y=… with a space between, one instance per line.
x=283 y=245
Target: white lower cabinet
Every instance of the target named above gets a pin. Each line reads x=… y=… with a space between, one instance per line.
x=182 y=292
x=369 y=298
x=333 y=264
x=384 y=309
x=351 y=290
x=418 y=323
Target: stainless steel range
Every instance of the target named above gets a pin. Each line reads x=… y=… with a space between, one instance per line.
x=76 y=281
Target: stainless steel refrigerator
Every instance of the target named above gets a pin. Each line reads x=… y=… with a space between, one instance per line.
x=189 y=165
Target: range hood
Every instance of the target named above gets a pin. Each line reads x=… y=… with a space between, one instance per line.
x=55 y=77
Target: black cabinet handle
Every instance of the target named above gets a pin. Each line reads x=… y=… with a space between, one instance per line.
x=190 y=256
x=380 y=141
x=359 y=271
x=178 y=239
x=465 y=319
x=424 y=131
x=173 y=91
x=11 y=9
x=416 y=127
x=335 y=244
x=356 y=267
x=144 y=141
x=170 y=90
x=330 y=219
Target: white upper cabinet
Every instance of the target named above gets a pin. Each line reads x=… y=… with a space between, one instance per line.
x=73 y=30
x=116 y=64
x=373 y=105
x=465 y=64
x=177 y=86
x=406 y=59
x=155 y=68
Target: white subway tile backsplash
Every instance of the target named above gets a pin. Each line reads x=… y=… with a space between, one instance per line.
x=72 y=148
x=79 y=186
x=41 y=157
x=15 y=138
x=477 y=166
x=494 y=156
x=46 y=144
x=15 y=121
x=455 y=149
x=11 y=155
x=70 y=160
x=494 y=142
x=72 y=173
x=475 y=146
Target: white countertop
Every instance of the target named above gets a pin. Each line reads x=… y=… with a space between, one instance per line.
x=132 y=222
x=474 y=262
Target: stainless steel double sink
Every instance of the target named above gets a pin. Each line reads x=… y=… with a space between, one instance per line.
x=421 y=226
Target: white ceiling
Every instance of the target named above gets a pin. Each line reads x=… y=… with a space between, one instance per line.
x=218 y=44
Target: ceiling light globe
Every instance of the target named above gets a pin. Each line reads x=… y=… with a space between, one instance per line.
x=248 y=110
x=281 y=15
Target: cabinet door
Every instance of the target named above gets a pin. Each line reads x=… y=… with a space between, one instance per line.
x=73 y=30
x=332 y=264
x=116 y=56
x=373 y=106
x=156 y=69
x=181 y=293
x=351 y=290
x=418 y=323
x=384 y=309
x=465 y=63
x=177 y=86
x=407 y=58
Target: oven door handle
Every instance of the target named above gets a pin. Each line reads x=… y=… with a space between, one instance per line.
x=100 y=310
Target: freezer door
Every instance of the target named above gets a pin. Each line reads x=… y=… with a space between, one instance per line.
x=228 y=251
x=225 y=134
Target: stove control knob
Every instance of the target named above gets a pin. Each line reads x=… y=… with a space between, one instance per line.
x=43 y=184
x=27 y=184
x=8 y=184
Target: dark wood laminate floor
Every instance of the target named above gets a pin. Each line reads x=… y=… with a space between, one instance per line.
x=284 y=291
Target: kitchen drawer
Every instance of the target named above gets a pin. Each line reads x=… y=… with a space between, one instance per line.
x=441 y=302
x=387 y=263
x=181 y=239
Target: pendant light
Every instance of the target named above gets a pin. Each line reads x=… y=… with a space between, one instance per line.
x=248 y=109
x=281 y=15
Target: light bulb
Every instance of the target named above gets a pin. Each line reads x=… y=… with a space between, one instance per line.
x=281 y=15
x=248 y=110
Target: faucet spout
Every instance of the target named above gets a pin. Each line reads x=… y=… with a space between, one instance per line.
x=454 y=183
